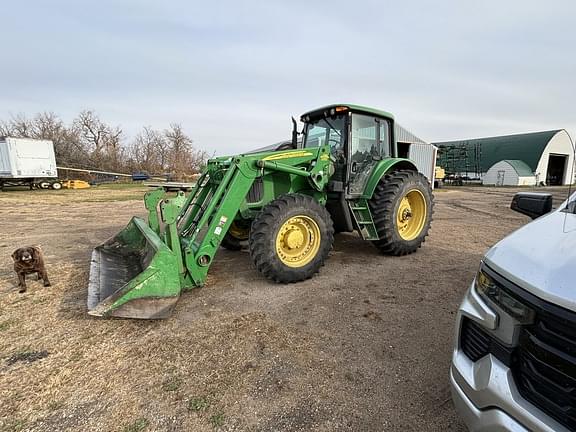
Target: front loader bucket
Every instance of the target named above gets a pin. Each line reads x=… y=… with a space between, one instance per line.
x=134 y=275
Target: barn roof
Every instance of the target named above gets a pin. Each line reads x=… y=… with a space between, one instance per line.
x=526 y=147
x=404 y=135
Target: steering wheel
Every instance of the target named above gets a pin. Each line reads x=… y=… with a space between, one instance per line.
x=339 y=155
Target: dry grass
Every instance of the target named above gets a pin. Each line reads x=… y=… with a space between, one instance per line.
x=104 y=193
x=105 y=375
x=365 y=345
x=120 y=374
x=61 y=370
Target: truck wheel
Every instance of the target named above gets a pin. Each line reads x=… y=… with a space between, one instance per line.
x=56 y=185
x=44 y=185
x=402 y=209
x=291 y=238
x=237 y=236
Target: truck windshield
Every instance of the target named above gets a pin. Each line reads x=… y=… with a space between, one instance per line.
x=326 y=131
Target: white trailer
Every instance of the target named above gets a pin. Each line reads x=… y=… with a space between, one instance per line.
x=30 y=162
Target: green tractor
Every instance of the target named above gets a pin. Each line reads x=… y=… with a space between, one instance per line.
x=286 y=204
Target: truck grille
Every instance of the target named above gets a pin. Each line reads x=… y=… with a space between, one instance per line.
x=545 y=366
x=543 y=362
x=474 y=342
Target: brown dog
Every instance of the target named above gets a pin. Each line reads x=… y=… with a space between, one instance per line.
x=29 y=260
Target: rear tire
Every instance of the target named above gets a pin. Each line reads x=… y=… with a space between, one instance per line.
x=56 y=185
x=291 y=238
x=402 y=208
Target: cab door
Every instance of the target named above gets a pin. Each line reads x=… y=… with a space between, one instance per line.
x=369 y=144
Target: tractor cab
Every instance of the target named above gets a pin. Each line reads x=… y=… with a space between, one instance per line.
x=358 y=137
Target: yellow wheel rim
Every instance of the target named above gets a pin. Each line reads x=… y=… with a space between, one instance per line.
x=238 y=232
x=298 y=241
x=411 y=215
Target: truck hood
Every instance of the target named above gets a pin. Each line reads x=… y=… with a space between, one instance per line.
x=541 y=258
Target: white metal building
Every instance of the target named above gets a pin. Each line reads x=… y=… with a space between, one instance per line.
x=556 y=164
x=509 y=173
x=417 y=150
x=546 y=156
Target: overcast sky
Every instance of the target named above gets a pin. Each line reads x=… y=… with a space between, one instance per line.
x=233 y=72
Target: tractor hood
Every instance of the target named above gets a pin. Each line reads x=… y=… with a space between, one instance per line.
x=541 y=257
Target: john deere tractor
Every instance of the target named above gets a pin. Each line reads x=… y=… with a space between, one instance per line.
x=342 y=175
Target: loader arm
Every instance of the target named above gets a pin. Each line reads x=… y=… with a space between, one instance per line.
x=141 y=272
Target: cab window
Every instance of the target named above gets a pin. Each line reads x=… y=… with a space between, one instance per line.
x=326 y=131
x=384 y=139
x=364 y=139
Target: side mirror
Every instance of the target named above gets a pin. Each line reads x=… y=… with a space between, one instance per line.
x=532 y=204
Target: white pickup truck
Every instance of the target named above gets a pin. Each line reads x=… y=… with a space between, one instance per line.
x=514 y=360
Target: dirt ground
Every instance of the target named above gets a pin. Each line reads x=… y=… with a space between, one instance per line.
x=364 y=346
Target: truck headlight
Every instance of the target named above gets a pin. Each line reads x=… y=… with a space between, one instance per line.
x=488 y=288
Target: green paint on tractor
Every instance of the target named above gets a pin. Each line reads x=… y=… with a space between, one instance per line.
x=341 y=176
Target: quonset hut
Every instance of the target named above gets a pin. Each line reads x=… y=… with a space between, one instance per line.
x=513 y=160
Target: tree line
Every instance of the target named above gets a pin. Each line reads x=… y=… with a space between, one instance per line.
x=90 y=143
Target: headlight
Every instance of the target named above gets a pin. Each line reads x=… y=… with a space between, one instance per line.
x=492 y=290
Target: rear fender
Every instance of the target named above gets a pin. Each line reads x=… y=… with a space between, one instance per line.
x=384 y=167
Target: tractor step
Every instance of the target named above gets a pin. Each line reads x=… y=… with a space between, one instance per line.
x=363 y=219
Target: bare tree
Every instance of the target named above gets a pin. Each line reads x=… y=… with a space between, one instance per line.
x=17 y=126
x=98 y=135
x=48 y=126
x=89 y=142
x=67 y=143
x=144 y=152
x=102 y=141
x=184 y=158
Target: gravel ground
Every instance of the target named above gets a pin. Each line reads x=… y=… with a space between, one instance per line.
x=364 y=346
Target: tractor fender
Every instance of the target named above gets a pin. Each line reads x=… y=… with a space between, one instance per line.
x=382 y=168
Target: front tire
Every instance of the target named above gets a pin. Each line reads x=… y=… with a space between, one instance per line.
x=237 y=236
x=402 y=208
x=291 y=238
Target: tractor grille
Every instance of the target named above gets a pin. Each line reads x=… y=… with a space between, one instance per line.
x=545 y=365
x=256 y=192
